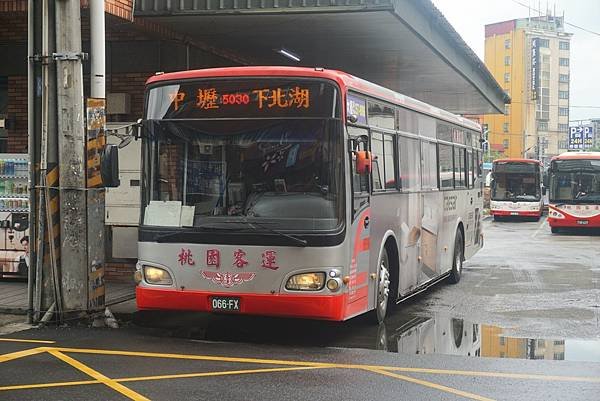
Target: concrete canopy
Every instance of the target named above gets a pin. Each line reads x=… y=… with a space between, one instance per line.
x=405 y=45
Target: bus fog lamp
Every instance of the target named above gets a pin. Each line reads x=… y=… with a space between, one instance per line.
x=306 y=282
x=155 y=275
x=333 y=284
x=556 y=215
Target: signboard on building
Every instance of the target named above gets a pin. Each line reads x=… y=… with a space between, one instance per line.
x=581 y=137
x=535 y=73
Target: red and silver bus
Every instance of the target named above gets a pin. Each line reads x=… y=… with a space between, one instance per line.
x=517 y=189
x=574 y=191
x=300 y=192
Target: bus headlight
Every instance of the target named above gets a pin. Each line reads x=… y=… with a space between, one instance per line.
x=156 y=275
x=306 y=282
x=556 y=214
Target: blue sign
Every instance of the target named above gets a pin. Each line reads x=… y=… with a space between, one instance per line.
x=581 y=137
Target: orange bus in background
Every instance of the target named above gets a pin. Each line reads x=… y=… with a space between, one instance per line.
x=574 y=191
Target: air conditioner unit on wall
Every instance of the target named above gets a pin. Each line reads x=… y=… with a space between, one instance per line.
x=118 y=103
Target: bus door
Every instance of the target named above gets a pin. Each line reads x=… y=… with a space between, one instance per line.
x=360 y=167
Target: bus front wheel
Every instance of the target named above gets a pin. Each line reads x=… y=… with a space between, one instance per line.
x=383 y=289
x=457 y=261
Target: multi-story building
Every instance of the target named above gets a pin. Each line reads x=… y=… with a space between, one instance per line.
x=530 y=58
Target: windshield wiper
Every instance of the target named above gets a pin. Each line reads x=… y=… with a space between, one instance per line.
x=194 y=230
x=252 y=225
x=298 y=241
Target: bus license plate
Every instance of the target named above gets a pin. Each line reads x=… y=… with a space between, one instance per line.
x=514 y=213
x=582 y=222
x=219 y=304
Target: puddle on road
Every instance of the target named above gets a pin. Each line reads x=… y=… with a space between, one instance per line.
x=401 y=333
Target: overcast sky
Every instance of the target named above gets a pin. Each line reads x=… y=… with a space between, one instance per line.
x=470 y=16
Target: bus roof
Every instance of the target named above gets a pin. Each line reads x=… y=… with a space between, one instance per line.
x=344 y=80
x=577 y=156
x=532 y=161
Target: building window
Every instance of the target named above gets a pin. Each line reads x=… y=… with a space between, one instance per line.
x=559 y=342
x=502 y=341
x=563 y=111
x=505 y=143
x=543 y=42
x=507 y=77
x=563 y=78
x=505 y=127
x=564 y=62
x=542 y=125
x=507 y=109
x=507 y=60
x=507 y=43
x=563 y=45
x=563 y=94
x=559 y=356
x=562 y=144
x=563 y=127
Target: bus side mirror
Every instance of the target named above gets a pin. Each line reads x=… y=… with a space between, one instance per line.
x=543 y=190
x=137 y=129
x=364 y=162
x=109 y=167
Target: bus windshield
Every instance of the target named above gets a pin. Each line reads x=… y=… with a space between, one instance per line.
x=516 y=182
x=575 y=181
x=286 y=172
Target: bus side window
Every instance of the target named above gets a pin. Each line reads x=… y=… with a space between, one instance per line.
x=360 y=183
x=377 y=151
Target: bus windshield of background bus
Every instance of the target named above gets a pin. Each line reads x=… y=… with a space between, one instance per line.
x=575 y=181
x=516 y=182
x=284 y=172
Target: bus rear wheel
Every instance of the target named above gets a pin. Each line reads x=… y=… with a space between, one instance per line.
x=458 y=258
x=383 y=289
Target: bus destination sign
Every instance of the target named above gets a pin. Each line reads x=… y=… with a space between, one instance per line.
x=209 y=98
x=242 y=98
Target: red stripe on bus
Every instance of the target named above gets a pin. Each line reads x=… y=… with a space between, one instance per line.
x=360 y=305
x=361 y=278
x=327 y=307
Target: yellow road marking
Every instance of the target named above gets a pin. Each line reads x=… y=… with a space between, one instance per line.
x=99 y=376
x=430 y=384
x=198 y=357
x=48 y=385
x=587 y=379
x=162 y=377
x=21 y=354
x=20 y=340
x=227 y=373
x=525 y=376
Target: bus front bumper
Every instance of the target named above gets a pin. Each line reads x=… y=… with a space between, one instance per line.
x=524 y=213
x=325 y=307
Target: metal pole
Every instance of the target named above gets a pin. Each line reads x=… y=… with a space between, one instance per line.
x=71 y=141
x=98 y=48
x=31 y=151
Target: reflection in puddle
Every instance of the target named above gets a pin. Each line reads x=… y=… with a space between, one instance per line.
x=401 y=333
x=450 y=336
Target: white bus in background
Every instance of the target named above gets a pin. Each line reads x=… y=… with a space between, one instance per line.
x=517 y=189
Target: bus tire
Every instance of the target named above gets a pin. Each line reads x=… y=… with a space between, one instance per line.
x=457 y=260
x=378 y=314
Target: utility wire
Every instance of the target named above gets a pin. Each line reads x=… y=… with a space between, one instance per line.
x=566 y=23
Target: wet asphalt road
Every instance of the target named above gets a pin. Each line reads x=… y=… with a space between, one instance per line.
x=527 y=295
